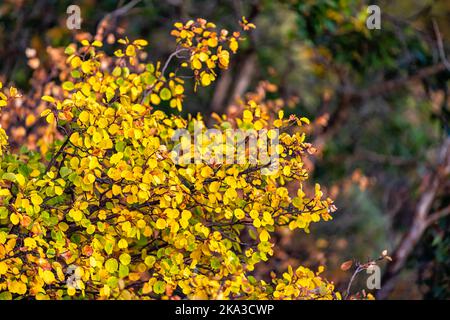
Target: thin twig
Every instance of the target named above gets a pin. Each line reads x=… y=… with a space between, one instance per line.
x=103 y=24
x=163 y=70
x=57 y=154
x=438 y=215
x=440 y=44
x=358 y=270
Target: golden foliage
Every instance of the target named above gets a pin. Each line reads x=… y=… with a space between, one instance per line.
x=107 y=214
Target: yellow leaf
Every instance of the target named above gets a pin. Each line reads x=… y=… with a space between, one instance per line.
x=97 y=137
x=30 y=243
x=234 y=45
x=97 y=43
x=76 y=215
x=45 y=112
x=305 y=120
x=179 y=89
x=119 y=53
x=86 y=67
x=214 y=186
x=254 y=214
x=84 y=117
x=155 y=99
x=140 y=42
x=90 y=178
x=48 y=99
x=161 y=224
x=30 y=120
x=150 y=261
x=48 y=277
x=58 y=190
x=20 y=179
x=4 y=193
x=264 y=236
x=125 y=259
x=239 y=214
x=111 y=265
x=116 y=190
x=13 y=92
x=50 y=118
x=212 y=42
x=122 y=244
x=75 y=62
x=258 y=125
x=3 y=268
x=130 y=51
x=14 y=219
x=206 y=172
x=196 y=64
x=36 y=199
x=71 y=291
x=206 y=79
x=247 y=116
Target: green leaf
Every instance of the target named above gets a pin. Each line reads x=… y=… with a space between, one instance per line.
x=9 y=176
x=123 y=271
x=165 y=94
x=120 y=146
x=75 y=73
x=24 y=170
x=215 y=263
x=150 y=261
x=51 y=253
x=125 y=259
x=3 y=213
x=113 y=282
x=252 y=280
x=68 y=86
x=64 y=171
x=111 y=265
x=159 y=287
x=117 y=72
x=108 y=247
x=69 y=50
x=5 y=295
x=110 y=93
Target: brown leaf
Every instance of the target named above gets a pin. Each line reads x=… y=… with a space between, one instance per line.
x=346 y=265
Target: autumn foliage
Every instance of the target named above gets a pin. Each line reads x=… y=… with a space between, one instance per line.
x=105 y=212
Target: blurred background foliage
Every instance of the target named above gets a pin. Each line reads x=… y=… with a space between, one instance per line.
x=378 y=100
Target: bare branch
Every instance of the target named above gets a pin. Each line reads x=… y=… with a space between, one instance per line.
x=421 y=219
x=440 y=44
x=434 y=217
x=103 y=25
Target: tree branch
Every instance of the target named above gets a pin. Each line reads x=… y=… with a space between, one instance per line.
x=440 y=44
x=434 y=217
x=103 y=25
x=421 y=220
